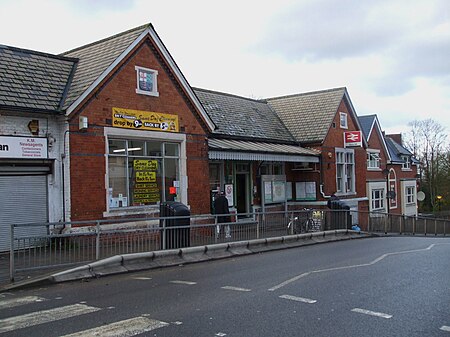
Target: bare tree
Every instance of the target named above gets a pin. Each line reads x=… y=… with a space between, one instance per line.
x=427 y=141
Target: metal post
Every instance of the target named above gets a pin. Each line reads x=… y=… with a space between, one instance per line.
x=257 y=226
x=435 y=227
x=11 y=254
x=164 y=234
x=414 y=225
x=425 y=227
x=385 y=223
x=97 y=240
x=400 y=225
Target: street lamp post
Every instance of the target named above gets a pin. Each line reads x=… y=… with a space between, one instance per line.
x=439 y=200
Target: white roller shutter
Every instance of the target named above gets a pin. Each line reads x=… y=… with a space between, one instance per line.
x=23 y=199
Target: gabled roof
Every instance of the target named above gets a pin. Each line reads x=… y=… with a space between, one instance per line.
x=33 y=80
x=96 y=57
x=368 y=124
x=242 y=117
x=309 y=115
x=97 y=60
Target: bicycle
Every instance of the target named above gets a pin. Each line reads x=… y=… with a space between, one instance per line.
x=298 y=226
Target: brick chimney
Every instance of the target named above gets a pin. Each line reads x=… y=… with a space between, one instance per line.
x=396 y=138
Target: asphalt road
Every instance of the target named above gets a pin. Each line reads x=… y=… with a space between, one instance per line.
x=395 y=286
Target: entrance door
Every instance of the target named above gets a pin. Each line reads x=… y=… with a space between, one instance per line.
x=242 y=192
x=23 y=199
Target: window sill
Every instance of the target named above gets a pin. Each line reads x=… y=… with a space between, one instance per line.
x=148 y=93
x=126 y=211
x=378 y=169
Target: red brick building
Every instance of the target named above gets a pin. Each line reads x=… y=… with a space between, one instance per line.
x=131 y=133
x=391 y=171
x=137 y=133
x=326 y=121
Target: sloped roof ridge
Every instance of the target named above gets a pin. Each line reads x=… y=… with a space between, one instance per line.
x=142 y=27
x=228 y=94
x=40 y=53
x=308 y=93
x=367 y=116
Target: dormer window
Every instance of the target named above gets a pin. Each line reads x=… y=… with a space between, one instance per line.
x=147 y=83
x=343 y=120
x=373 y=159
x=406 y=165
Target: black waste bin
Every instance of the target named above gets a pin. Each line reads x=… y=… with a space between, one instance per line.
x=175 y=233
x=340 y=217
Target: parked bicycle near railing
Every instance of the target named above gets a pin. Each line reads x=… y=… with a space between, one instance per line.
x=303 y=224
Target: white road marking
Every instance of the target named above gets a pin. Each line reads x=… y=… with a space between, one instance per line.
x=125 y=328
x=15 y=302
x=44 y=316
x=189 y=283
x=378 y=259
x=220 y=334
x=142 y=278
x=372 y=313
x=445 y=328
x=235 y=288
x=298 y=299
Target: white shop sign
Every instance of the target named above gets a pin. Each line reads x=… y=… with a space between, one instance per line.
x=23 y=147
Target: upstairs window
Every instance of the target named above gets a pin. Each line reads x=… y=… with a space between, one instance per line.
x=343 y=120
x=373 y=160
x=406 y=165
x=345 y=171
x=147 y=81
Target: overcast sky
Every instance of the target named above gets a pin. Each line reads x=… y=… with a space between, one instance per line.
x=392 y=55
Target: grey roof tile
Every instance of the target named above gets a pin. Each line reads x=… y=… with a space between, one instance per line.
x=366 y=123
x=25 y=79
x=243 y=117
x=95 y=58
x=308 y=116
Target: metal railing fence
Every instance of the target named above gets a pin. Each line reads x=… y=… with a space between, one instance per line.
x=74 y=243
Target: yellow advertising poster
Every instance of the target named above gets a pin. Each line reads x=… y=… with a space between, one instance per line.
x=144 y=120
x=145 y=165
x=145 y=177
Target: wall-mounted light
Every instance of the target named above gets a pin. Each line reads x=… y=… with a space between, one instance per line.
x=83 y=123
x=330 y=155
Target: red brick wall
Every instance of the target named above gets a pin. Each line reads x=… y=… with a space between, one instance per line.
x=375 y=142
x=87 y=149
x=335 y=138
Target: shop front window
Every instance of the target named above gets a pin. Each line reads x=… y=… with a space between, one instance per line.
x=142 y=172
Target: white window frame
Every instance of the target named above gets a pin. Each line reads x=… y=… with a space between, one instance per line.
x=373 y=157
x=110 y=132
x=343 y=120
x=345 y=184
x=410 y=195
x=154 y=75
x=381 y=199
x=406 y=164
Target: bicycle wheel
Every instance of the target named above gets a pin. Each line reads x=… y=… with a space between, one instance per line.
x=310 y=225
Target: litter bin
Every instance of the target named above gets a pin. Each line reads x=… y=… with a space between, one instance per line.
x=175 y=232
x=340 y=217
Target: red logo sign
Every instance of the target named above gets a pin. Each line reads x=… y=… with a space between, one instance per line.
x=352 y=138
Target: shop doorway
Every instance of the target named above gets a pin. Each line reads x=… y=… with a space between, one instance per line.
x=242 y=195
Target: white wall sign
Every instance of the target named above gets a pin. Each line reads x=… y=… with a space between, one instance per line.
x=229 y=194
x=23 y=147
